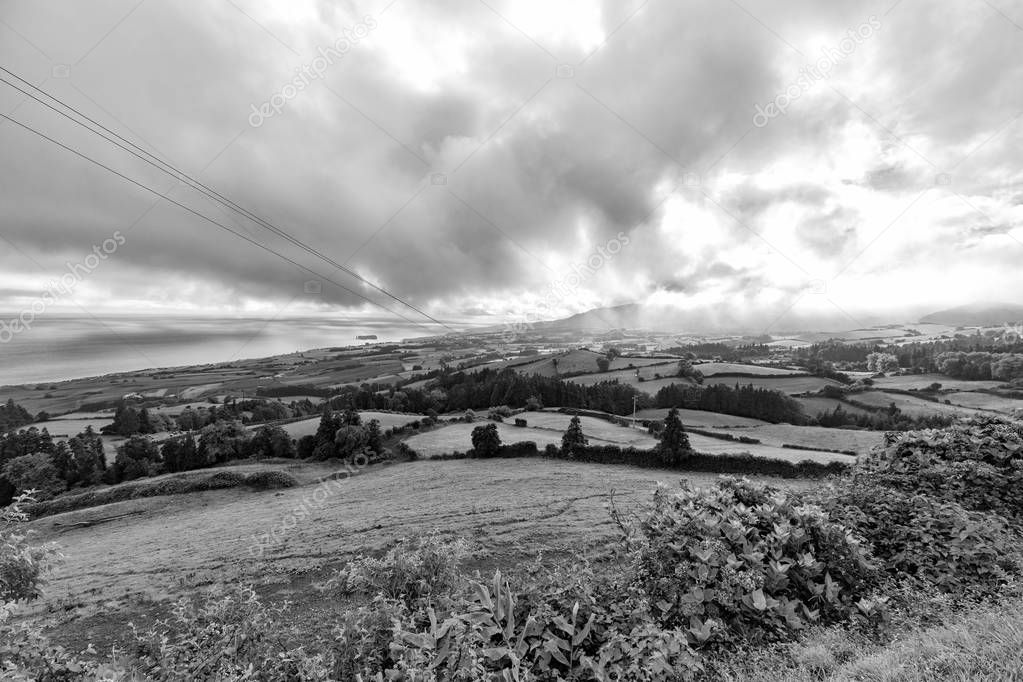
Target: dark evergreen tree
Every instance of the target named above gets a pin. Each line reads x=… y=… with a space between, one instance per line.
x=574 y=438
x=674 y=446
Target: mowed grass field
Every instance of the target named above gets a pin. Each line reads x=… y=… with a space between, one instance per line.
x=582 y=360
x=911 y=405
x=918 y=381
x=548 y=427
x=131 y=568
x=785 y=384
x=813 y=406
x=711 y=368
x=542 y=428
x=774 y=435
x=984 y=401
x=700 y=418
x=716 y=446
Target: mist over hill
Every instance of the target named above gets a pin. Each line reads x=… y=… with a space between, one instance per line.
x=710 y=319
x=978 y=315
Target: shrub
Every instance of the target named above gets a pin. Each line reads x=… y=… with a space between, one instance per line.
x=500 y=413
x=223 y=479
x=21 y=564
x=520 y=422
x=407 y=451
x=222 y=636
x=270 y=480
x=745 y=561
x=976 y=463
x=525 y=448
x=413 y=570
x=933 y=542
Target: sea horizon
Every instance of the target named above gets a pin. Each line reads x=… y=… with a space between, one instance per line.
x=65 y=347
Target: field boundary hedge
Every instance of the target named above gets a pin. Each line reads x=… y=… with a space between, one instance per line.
x=741 y=463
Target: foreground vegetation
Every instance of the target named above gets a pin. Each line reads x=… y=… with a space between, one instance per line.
x=729 y=580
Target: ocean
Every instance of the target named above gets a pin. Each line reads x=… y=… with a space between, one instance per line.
x=59 y=347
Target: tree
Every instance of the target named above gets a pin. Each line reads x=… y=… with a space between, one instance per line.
x=350 y=441
x=882 y=362
x=533 y=404
x=329 y=424
x=180 y=454
x=305 y=447
x=222 y=441
x=486 y=440
x=603 y=364
x=82 y=459
x=574 y=438
x=272 y=441
x=374 y=439
x=351 y=417
x=138 y=457
x=126 y=421
x=35 y=472
x=674 y=445
x=12 y=416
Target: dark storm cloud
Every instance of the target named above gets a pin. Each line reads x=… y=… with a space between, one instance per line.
x=530 y=164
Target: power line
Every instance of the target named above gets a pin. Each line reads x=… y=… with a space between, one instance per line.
x=204 y=217
x=197 y=185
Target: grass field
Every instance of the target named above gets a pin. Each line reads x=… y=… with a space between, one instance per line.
x=129 y=568
x=710 y=368
x=700 y=418
x=984 y=401
x=716 y=446
x=918 y=381
x=543 y=428
x=548 y=427
x=582 y=360
x=815 y=437
x=813 y=406
x=775 y=434
x=629 y=377
x=910 y=405
x=785 y=384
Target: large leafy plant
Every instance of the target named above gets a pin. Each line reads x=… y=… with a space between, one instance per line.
x=743 y=560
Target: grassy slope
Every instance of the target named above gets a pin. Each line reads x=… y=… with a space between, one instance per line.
x=911 y=405
x=548 y=427
x=172 y=546
x=985 y=643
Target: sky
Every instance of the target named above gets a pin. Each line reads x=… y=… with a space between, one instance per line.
x=488 y=161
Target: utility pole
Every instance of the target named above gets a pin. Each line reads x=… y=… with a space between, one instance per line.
x=634 y=399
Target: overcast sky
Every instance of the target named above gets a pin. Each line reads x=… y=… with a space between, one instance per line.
x=471 y=157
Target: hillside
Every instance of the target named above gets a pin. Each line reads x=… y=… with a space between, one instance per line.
x=978 y=315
